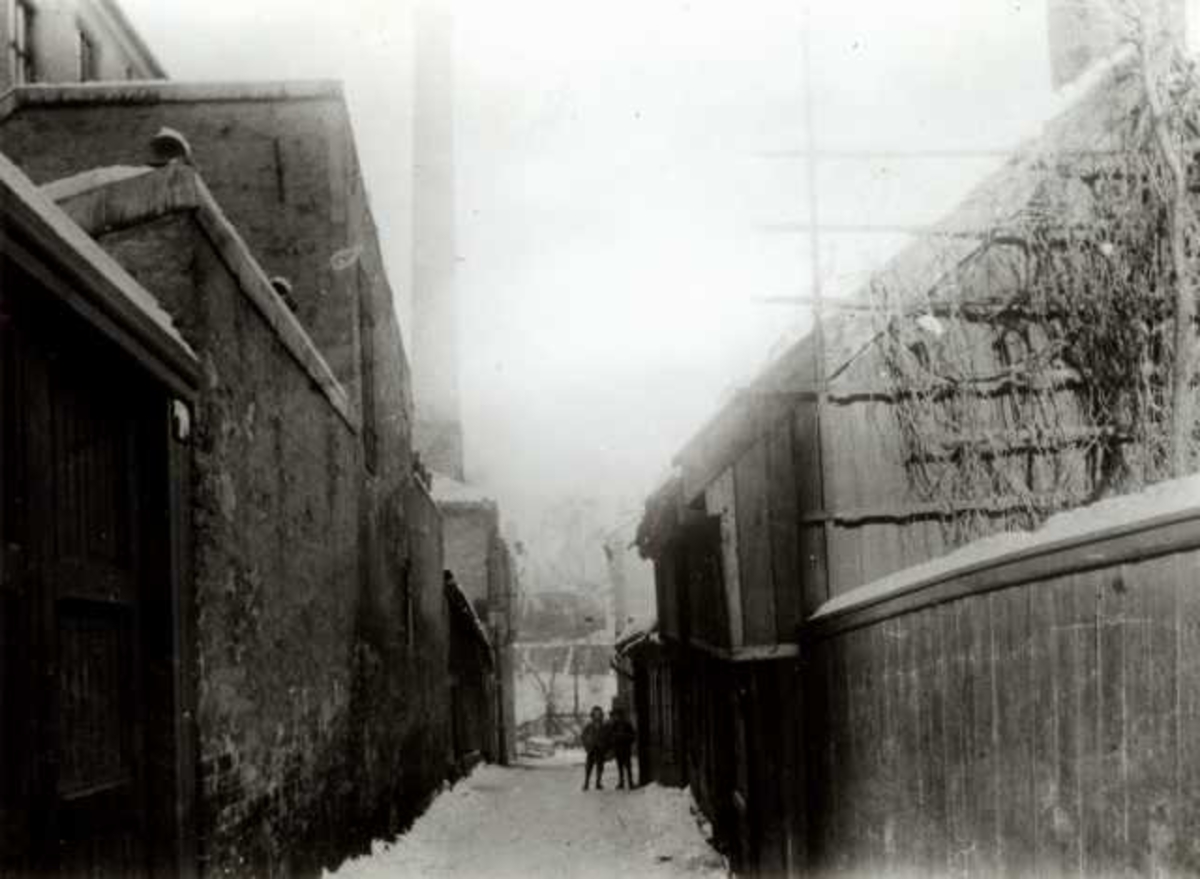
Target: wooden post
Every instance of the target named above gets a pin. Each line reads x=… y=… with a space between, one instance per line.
x=817 y=293
x=807 y=727
x=1155 y=51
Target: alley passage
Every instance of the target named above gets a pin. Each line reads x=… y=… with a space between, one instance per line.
x=532 y=820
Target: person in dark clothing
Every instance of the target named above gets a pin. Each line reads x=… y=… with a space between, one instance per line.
x=595 y=742
x=621 y=735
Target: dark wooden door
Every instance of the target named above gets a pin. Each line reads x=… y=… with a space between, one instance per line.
x=73 y=577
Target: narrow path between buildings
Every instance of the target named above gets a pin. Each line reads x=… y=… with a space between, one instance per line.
x=532 y=820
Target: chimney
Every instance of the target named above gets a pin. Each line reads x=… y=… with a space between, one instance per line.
x=438 y=429
x=1082 y=32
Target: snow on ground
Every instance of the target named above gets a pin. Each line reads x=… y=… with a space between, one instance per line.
x=532 y=820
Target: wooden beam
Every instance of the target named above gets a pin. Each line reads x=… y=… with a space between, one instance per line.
x=815 y=302
x=986 y=386
x=748 y=652
x=878 y=229
x=896 y=153
x=114 y=319
x=908 y=512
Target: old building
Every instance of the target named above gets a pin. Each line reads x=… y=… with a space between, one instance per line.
x=645 y=689
x=310 y=633
x=481 y=563
x=58 y=41
x=472 y=682
x=95 y=386
x=972 y=387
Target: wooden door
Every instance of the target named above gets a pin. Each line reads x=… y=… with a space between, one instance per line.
x=77 y=420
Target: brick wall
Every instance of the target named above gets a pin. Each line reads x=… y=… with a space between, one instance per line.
x=280 y=160
x=321 y=635
x=321 y=630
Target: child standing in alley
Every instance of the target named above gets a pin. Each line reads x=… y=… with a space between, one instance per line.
x=595 y=742
x=621 y=734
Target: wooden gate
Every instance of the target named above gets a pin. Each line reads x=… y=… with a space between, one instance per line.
x=83 y=581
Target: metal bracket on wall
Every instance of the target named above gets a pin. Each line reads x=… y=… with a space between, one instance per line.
x=181 y=421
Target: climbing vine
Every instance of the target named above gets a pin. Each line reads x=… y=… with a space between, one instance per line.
x=1048 y=366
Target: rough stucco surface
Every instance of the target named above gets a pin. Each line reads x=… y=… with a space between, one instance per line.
x=322 y=643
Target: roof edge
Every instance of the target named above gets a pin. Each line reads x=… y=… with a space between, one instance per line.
x=130 y=33
x=135 y=319
x=458 y=601
x=166 y=92
x=100 y=203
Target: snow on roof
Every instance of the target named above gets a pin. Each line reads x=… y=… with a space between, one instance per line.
x=447 y=489
x=19 y=187
x=1176 y=496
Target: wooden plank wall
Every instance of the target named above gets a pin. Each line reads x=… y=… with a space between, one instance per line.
x=774 y=759
x=702 y=593
x=759 y=502
x=1052 y=726
x=666 y=587
x=753 y=547
x=808 y=477
x=720 y=501
x=876 y=525
x=705 y=692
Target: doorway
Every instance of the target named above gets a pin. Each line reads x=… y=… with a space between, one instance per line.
x=89 y=776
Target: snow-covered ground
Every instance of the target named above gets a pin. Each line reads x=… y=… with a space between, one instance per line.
x=532 y=820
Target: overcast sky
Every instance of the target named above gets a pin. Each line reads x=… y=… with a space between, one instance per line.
x=612 y=185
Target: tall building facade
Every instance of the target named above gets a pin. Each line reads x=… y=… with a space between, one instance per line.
x=63 y=41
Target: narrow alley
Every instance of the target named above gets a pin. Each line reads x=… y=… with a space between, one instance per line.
x=531 y=819
x=795 y=400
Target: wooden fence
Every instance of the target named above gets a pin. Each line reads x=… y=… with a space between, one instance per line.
x=1039 y=711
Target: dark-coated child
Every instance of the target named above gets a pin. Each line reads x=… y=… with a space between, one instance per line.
x=621 y=736
x=595 y=742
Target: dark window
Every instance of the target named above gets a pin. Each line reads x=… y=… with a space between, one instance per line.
x=88 y=59
x=20 y=46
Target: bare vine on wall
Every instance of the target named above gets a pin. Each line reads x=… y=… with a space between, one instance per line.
x=1055 y=362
